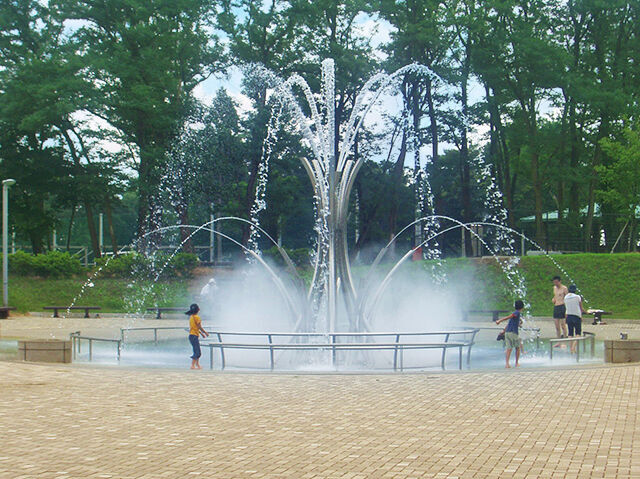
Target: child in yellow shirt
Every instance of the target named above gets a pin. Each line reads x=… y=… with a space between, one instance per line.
x=195 y=330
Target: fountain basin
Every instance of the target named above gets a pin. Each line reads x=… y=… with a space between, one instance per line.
x=621 y=351
x=45 y=350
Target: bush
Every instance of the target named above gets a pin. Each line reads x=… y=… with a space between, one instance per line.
x=299 y=256
x=22 y=264
x=138 y=266
x=183 y=265
x=122 y=266
x=54 y=264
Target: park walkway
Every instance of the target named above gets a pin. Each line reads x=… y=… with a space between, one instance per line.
x=70 y=421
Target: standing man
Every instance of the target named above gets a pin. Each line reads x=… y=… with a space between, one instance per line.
x=559 y=309
x=573 y=303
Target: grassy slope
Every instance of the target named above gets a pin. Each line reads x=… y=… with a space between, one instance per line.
x=607 y=281
x=31 y=294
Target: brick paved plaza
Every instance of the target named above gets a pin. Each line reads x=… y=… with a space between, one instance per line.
x=70 y=421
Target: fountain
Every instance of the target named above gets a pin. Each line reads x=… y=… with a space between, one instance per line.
x=331 y=315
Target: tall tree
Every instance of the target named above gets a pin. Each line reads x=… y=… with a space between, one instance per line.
x=42 y=90
x=145 y=59
x=263 y=34
x=518 y=58
x=420 y=36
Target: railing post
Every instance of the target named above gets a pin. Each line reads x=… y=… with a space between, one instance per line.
x=460 y=358
x=550 y=349
x=444 y=350
x=270 y=351
x=471 y=343
x=333 y=349
x=222 y=360
x=210 y=356
x=578 y=352
x=395 y=353
x=119 y=349
x=155 y=336
x=90 y=350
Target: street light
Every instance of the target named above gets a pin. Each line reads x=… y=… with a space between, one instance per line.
x=6 y=184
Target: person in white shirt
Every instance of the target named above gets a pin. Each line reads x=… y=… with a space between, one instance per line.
x=573 y=304
x=208 y=289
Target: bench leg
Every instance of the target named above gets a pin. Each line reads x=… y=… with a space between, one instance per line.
x=86 y=313
x=55 y=313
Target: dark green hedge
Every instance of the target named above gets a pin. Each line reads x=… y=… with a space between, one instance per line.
x=54 y=264
x=180 y=265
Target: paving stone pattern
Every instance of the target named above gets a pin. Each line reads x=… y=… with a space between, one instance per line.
x=70 y=421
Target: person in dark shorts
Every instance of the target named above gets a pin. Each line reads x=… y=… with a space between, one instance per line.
x=559 y=309
x=195 y=330
x=573 y=303
x=511 y=337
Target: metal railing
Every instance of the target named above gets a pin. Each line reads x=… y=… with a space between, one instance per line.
x=76 y=344
x=333 y=344
x=536 y=333
x=586 y=336
x=155 y=330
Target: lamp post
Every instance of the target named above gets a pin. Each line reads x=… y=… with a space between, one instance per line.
x=6 y=184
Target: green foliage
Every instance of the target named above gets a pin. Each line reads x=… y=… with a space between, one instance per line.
x=54 y=264
x=559 y=83
x=121 y=266
x=299 y=256
x=621 y=179
x=137 y=266
x=111 y=294
x=182 y=265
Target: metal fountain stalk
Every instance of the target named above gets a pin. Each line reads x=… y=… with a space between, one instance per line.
x=332 y=170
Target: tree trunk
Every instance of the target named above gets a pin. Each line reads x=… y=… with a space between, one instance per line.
x=112 y=233
x=529 y=108
x=433 y=127
x=573 y=218
x=396 y=185
x=416 y=114
x=149 y=213
x=500 y=153
x=91 y=224
x=467 y=213
x=90 y=220
x=69 y=229
x=593 y=183
x=183 y=216
x=254 y=165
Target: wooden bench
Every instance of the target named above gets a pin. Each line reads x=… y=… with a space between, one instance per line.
x=86 y=309
x=495 y=313
x=159 y=311
x=4 y=311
